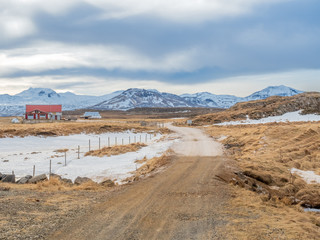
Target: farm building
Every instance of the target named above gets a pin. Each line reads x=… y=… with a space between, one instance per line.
x=43 y=112
x=88 y=115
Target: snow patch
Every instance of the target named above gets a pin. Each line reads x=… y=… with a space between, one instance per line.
x=308 y=176
x=20 y=154
x=287 y=117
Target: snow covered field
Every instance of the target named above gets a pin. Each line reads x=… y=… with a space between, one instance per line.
x=287 y=117
x=20 y=154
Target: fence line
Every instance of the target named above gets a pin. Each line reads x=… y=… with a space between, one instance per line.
x=78 y=150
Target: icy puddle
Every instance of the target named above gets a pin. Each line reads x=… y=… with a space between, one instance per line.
x=21 y=154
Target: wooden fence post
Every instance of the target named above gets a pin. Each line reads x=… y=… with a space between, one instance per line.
x=34 y=170
x=65 y=158
x=78 y=151
x=89 y=145
x=50 y=170
x=129 y=140
x=108 y=141
x=99 y=143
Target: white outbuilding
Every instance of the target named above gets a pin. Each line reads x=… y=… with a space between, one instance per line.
x=89 y=115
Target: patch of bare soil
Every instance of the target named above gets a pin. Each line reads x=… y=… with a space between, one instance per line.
x=33 y=211
x=265 y=155
x=116 y=150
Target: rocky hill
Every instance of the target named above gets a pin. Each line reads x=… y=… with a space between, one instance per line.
x=272 y=106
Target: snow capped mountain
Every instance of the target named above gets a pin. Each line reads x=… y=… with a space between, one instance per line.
x=134 y=98
x=205 y=99
x=281 y=90
x=13 y=105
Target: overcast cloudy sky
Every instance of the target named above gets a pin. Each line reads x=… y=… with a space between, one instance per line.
x=99 y=46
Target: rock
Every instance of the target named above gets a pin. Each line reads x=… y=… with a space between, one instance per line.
x=264 y=178
x=309 y=197
x=24 y=179
x=38 y=178
x=0 y=176
x=53 y=175
x=81 y=180
x=11 y=178
x=108 y=183
x=66 y=181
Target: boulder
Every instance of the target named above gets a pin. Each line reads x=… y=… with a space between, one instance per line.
x=107 y=183
x=53 y=175
x=38 y=178
x=81 y=180
x=10 y=178
x=66 y=181
x=24 y=179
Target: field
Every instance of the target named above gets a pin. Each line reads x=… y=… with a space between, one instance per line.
x=147 y=113
x=64 y=128
x=265 y=156
x=254 y=180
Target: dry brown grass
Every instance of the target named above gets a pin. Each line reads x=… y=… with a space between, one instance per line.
x=116 y=150
x=253 y=218
x=151 y=165
x=54 y=185
x=67 y=128
x=274 y=148
x=265 y=154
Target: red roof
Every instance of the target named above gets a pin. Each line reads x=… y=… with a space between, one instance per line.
x=44 y=108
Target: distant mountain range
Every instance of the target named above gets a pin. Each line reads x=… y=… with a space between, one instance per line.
x=14 y=105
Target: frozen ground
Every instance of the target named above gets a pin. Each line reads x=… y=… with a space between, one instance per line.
x=287 y=117
x=21 y=154
x=308 y=176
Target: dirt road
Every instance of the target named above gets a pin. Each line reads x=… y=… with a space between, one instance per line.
x=182 y=202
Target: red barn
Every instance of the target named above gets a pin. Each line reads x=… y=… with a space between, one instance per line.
x=53 y=112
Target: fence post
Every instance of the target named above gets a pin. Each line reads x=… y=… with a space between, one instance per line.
x=135 y=139
x=146 y=138
x=65 y=158
x=99 y=142
x=78 y=151
x=122 y=141
x=140 y=138
x=129 y=140
x=89 y=145
x=34 y=170
x=50 y=170
x=116 y=141
x=108 y=141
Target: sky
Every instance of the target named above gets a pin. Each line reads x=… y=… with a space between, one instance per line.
x=95 y=47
